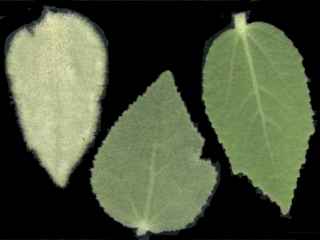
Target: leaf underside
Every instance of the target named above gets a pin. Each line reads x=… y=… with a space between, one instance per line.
x=256 y=96
x=57 y=75
x=148 y=174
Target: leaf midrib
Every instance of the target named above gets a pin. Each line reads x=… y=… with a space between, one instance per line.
x=151 y=183
x=255 y=86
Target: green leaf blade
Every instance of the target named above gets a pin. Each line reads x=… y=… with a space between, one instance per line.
x=257 y=98
x=148 y=173
x=57 y=75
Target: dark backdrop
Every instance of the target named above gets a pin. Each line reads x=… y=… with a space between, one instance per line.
x=145 y=39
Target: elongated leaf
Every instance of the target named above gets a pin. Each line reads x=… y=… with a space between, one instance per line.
x=256 y=95
x=147 y=174
x=57 y=75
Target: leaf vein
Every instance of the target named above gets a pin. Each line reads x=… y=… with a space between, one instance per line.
x=255 y=85
x=231 y=77
x=267 y=57
x=151 y=182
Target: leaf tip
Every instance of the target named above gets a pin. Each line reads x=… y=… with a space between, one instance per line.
x=285 y=208
x=60 y=178
x=166 y=75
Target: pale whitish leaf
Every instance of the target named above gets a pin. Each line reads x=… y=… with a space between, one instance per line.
x=57 y=75
x=148 y=173
x=256 y=96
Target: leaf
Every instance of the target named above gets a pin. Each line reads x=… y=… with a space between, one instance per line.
x=256 y=96
x=57 y=74
x=147 y=174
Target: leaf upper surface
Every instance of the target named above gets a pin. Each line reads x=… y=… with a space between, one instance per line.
x=148 y=174
x=256 y=96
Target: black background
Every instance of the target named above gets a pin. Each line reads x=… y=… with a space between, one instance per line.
x=145 y=39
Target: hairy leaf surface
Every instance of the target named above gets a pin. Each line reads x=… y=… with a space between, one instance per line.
x=57 y=74
x=148 y=173
x=256 y=96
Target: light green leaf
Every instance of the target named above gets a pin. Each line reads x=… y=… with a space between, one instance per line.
x=256 y=96
x=57 y=75
x=148 y=173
